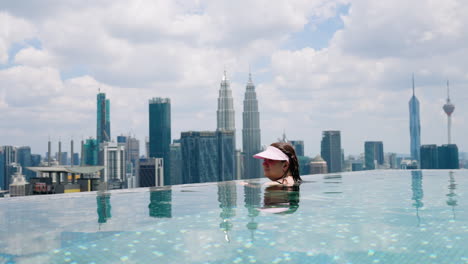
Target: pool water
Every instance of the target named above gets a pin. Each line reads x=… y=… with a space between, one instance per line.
x=359 y=217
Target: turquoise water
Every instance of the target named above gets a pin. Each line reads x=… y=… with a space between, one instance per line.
x=363 y=217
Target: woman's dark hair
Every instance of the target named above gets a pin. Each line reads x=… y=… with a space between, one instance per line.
x=293 y=161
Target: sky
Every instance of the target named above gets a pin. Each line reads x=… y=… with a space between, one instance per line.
x=317 y=65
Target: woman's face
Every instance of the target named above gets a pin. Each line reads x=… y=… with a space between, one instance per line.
x=274 y=169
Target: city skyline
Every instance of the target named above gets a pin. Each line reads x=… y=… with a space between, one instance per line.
x=317 y=70
x=228 y=101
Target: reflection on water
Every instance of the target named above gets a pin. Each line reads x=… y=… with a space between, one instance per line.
x=452 y=201
x=252 y=199
x=418 y=194
x=335 y=180
x=160 y=205
x=280 y=199
x=369 y=224
x=103 y=207
x=227 y=198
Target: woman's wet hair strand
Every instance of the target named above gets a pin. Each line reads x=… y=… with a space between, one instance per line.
x=293 y=160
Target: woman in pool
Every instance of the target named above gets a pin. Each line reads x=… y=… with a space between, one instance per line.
x=280 y=164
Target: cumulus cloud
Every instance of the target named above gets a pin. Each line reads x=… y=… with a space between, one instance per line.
x=31 y=56
x=12 y=30
x=360 y=83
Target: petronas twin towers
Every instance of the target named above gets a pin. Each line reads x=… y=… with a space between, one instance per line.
x=251 y=123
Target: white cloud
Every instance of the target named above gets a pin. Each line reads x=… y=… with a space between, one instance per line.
x=31 y=56
x=12 y=30
x=133 y=51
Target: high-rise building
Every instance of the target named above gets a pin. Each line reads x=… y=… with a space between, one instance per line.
x=448 y=156
x=62 y=158
x=132 y=150
x=225 y=112
x=103 y=133
x=90 y=152
x=150 y=172
x=331 y=150
x=114 y=165
x=240 y=159
x=7 y=158
x=391 y=160
x=373 y=154
x=200 y=159
x=176 y=163
x=160 y=133
x=448 y=109
x=429 y=157
x=415 y=127
x=304 y=164
x=298 y=146
x=225 y=132
x=23 y=156
x=35 y=160
x=76 y=159
x=207 y=156
x=147 y=147
x=226 y=154
x=251 y=142
x=2 y=169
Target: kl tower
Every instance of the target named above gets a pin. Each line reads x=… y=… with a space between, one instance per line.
x=448 y=109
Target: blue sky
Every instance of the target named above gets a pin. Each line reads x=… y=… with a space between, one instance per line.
x=317 y=65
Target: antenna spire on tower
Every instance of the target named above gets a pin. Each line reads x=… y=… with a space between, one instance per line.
x=448 y=91
x=413 y=84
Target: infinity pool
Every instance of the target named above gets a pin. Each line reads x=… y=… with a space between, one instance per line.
x=362 y=217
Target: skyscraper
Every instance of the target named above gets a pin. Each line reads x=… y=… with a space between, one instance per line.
x=176 y=163
x=23 y=155
x=415 y=127
x=207 y=156
x=429 y=157
x=226 y=141
x=103 y=119
x=150 y=172
x=132 y=151
x=160 y=133
x=35 y=160
x=448 y=109
x=200 y=159
x=448 y=156
x=114 y=165
x=90 y=152
x=225 y=112
x=2 y=169
x=374 y=154
x=7 y=158
x=331 y=150
x=225 y=132
x=298 y=146
x=76 y=159
x=251 y=132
